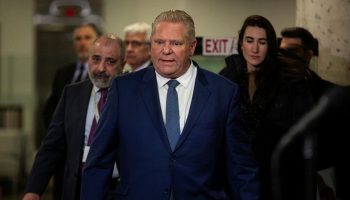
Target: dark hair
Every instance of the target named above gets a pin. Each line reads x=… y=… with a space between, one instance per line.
x=268 y=68
x=261 y=22
x=298 y=32
x=94 y=27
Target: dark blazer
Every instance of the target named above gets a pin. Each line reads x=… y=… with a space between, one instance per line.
x=63 y=143
x=211 y=150
x=63 y=76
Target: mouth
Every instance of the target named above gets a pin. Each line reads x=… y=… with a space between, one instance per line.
x=167 y=61
x=101 y=76
x=255 y=57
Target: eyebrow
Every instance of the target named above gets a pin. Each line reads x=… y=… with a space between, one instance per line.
x=250 y=37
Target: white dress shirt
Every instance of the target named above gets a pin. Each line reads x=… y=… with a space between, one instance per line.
x=94 y=98
x=91 y=113
x=184 y=92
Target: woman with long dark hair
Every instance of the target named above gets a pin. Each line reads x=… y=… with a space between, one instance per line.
x=274 y=94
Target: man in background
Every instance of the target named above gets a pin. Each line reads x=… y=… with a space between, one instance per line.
x=83 y=37
x=300 y=44
x=137 y=44
x=73 y=123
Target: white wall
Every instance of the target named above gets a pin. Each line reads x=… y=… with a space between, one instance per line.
x=329 y=21
x=17 y=57
x=17 y=70
x=212 y=17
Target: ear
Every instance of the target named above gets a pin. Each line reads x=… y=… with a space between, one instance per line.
x=309 y=54
x=193 y=46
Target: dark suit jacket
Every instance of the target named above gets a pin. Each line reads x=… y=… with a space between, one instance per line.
x=63 y=143
x=211 y=150
x=63 y=76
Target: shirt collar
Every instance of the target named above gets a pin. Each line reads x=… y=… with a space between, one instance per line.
x=96 y=89
x=184 y=80
x=146 y=64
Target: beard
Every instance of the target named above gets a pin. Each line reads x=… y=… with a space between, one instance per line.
x=101 y=79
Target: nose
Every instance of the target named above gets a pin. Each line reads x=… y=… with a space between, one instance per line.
x=128 y=47
x=85 y=43
x=255 y=47
x=101 y=66
x=167 y=48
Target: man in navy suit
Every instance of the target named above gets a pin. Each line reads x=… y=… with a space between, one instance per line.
x=70 y=126
x=211 y=157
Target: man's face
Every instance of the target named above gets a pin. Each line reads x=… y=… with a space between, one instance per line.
x=137 y=49
x=296 y=46
x=171 y=49
x=83 y=38
x=104 y=63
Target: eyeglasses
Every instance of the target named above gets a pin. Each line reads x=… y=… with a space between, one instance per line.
x=135 y=43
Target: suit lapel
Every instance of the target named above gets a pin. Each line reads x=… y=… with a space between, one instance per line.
x=199 y=99
x=149 y=91
x=84 y=94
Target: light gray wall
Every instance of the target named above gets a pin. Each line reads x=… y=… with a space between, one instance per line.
x=212 y=18
x=329 y=21
x=17 y=72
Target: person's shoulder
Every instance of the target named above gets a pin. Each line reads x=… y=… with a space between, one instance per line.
x=66 y=70
x=134 y=79
x=79 y=85
x=234 y=58
x=135 y=75
x=235 y=67
x=214 y=79
x=67 y=67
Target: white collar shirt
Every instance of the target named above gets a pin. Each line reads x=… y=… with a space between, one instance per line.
x=184 y=91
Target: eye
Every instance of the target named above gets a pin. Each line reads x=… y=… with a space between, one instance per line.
x=87 y=37
x=158 y=42
x=134 y=43
x=96 y=59
x=263 y=42
x=78 y=38
x=249 y=40
x=177 y=43
x=111 y=61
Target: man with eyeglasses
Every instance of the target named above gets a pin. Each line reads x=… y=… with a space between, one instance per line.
x=137 y=44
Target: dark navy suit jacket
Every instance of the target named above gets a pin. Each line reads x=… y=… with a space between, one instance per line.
x=212 y=153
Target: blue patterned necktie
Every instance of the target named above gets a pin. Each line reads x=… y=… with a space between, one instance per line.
x=172 y=124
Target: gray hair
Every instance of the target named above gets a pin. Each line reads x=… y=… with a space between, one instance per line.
x=139 y=27
x=177 y=16
x=111 y=38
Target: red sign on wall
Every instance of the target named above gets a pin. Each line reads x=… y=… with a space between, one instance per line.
x=219 y=46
